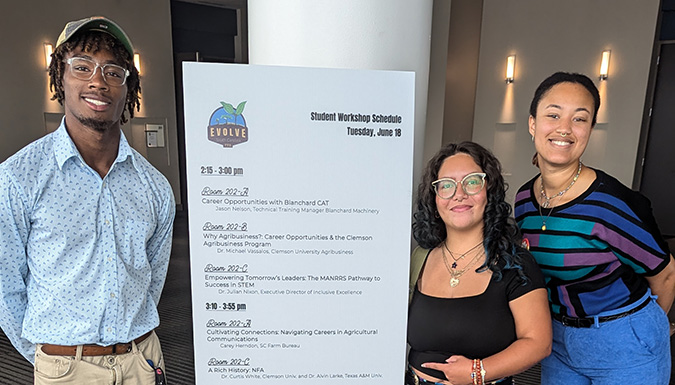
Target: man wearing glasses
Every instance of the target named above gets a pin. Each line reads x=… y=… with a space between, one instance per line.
x=86 y=225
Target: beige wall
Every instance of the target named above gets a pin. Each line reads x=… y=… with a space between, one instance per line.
x=461 y=69
x=548 y=36
x=24 y=94
x=545 y=35
x=455 y=41
x=433 y=134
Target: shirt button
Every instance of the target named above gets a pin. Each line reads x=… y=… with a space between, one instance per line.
x=109 y=329
x=112 y=295
x=107 y=222
x=110 y=259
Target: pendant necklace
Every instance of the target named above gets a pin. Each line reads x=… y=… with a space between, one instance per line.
x=454 y=264
x=543 y=220
x=454 y=275
x=547 y=200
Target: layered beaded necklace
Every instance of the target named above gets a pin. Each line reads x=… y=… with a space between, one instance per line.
x=455 y=274
x=547 y=200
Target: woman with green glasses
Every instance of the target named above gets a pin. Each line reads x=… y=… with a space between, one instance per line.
x=478 y=312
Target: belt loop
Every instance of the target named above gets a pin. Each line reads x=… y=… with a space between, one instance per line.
x=118 y=376
x=78 y=353
x=596 y=322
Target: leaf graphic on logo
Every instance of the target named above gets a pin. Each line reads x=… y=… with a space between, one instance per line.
x=228 y=107
x=240 y=108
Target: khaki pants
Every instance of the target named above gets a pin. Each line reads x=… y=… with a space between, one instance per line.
x=130 y=368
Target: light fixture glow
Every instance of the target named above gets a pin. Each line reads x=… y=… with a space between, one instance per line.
x=137 y=62
x=49 y=49
x=604 y=66
x=510 y=68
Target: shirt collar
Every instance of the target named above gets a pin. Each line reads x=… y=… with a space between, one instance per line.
x=64 y=148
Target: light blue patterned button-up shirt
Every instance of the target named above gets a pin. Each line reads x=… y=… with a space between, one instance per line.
x=82 y=259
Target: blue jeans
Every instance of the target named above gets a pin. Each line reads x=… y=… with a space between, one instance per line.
x=634 y=349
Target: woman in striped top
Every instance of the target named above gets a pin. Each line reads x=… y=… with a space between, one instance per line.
x=609 y=273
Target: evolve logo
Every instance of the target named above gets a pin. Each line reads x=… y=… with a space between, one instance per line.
x=227 y=125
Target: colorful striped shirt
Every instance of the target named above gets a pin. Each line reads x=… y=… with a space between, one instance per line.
x=595 y=250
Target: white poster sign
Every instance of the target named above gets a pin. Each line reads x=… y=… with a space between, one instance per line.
x=299 y=197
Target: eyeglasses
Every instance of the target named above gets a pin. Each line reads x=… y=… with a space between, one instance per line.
x=472 y=184
x=84 y=69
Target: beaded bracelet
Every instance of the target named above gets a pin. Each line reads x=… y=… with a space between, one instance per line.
x=478 y=372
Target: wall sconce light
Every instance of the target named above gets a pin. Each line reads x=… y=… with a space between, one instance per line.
x=49 y=49
x=137 y=62
x=604 y=66
x=510 y=68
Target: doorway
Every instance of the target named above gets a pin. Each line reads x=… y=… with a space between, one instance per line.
x=216 y=33
x=658 y=171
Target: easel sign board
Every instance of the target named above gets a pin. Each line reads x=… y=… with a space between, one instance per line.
x=299 y=197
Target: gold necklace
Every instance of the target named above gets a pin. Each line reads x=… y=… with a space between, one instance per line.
x=454 y=264
x=560 y=193
x=543 y=220
x=454 y=275
x=547 y=203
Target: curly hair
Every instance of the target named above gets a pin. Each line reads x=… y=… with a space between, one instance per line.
x=94 y=41
x=501 y=236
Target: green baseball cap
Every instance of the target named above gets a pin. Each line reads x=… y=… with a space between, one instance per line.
x=95 y=23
